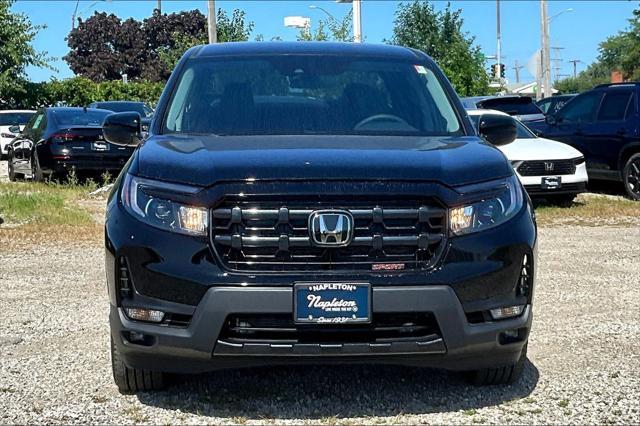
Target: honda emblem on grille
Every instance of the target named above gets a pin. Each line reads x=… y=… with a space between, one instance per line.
x=332 y=228
x=548 y=166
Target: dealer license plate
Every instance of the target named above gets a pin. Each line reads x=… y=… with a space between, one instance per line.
x=332 y=303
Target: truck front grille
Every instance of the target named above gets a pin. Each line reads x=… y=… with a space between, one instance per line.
x=545 y=168
x=274 y=237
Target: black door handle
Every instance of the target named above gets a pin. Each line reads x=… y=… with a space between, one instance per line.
x=621 y=131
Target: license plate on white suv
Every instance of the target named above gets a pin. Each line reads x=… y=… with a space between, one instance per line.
x=551 y=182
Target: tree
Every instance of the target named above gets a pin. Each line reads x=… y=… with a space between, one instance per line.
x=439 y=34
x=331 y=29
x=16 y=53
x=103 y=47
x=232 y=28
x=622 y=51
x=596 y=73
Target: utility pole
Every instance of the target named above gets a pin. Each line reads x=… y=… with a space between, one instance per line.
x=575 y=62
x=498 y=51
x=546 y=54
x=517 y=69
x=357 y=21
x=213 y=35
x=159 y=6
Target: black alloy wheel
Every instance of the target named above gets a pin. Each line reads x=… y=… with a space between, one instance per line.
x=631 y=177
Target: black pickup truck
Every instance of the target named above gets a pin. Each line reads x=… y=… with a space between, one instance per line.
x=311 y=203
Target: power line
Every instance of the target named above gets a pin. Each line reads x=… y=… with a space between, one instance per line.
x=556 y=61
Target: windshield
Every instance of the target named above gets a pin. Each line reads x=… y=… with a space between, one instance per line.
x=309 y=94
x=512 y=106
x=138 y=107
x=14 y=118
x=522 y=131
x=80 y=117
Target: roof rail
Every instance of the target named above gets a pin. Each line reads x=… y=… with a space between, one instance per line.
x=624 y=83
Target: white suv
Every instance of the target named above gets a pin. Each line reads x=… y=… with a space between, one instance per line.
x=546 y=168
x=9 y=119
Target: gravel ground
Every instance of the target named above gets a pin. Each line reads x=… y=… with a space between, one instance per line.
x=584 y=353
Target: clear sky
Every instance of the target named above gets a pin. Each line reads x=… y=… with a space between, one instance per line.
x=578 y=32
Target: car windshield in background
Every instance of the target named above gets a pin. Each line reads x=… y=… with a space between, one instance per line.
x=80 y=117
x=309 y=94
x=522 y=131
x=138 y=107
x=512 y=106
x=14 y=118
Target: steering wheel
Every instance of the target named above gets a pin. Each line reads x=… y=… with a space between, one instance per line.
x=380 y=117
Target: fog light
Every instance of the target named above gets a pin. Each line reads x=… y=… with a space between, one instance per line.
x=140 y=314
x=508 y=312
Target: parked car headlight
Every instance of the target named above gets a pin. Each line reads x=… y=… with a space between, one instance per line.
x=138 y=199
x=488 y=212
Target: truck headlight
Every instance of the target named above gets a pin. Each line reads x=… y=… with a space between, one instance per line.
x=504 y=202
x=138 y=199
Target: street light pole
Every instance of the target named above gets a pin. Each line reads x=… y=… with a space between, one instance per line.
x=213 y=34
x=498 y=53
x=357 y=21
x=333 y=18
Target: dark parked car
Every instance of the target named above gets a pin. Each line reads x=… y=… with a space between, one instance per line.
x=316 y=202
x=521 y=107
x=603 y=124
x=553 y=104
x=56 y=140
x=145 y=111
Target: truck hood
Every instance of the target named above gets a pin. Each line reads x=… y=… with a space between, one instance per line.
x=207 y=160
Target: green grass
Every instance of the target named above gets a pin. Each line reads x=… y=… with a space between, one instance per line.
x=40 y=203
x=592 y=210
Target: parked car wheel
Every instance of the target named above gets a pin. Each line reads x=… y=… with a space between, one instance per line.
x=499 y=376
x=130 y=380
x=631 y=176
x=36 y=171
x=11 y=171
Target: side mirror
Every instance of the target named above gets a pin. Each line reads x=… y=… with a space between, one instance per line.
x=122 y=129
x=551 y=119
x=14 y=129
x=498 y=129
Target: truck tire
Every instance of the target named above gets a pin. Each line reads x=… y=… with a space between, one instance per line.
x=631 y=177
x=506 y=375
x=131 y=380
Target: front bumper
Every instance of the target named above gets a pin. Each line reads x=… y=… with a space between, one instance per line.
x=196 y=348
x=571 y=184
x=178 y=274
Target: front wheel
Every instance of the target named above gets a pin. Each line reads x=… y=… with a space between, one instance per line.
x=506 y=375
x=130 y=380
x=631 y=176
x=36 y=171
x=11 y=170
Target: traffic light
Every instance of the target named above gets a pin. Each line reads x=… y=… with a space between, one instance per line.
x=502 y=67
x=494 y=70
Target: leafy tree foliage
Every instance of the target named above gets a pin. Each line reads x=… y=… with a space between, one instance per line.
x=16 y=53
x=330 y=29
x=103 y=47
x=620 y=52
x=439 y=34
x=80 y=91
x=596 y=73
